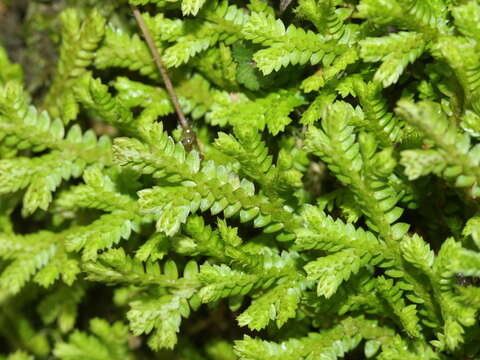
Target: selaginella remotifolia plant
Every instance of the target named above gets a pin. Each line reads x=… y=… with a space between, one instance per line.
x=329 y=208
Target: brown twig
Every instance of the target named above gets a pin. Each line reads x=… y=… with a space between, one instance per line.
x=189 y=137
x=284 y=5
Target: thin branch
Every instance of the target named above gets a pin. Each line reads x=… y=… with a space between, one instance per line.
x=189 y=137
x=284 y=5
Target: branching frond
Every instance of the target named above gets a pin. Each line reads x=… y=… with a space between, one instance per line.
x=107 y=342
x=77 y=52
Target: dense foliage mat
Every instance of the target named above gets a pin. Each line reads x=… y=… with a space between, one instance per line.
x=327 y=209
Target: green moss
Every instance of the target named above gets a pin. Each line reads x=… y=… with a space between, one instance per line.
x=330 y=209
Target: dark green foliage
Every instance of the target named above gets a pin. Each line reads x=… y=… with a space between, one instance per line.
x=330 y=211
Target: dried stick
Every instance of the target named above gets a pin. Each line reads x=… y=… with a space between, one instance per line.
x=189 y=137
x=284 y=5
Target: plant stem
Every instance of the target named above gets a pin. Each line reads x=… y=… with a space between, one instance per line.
x=189 y=137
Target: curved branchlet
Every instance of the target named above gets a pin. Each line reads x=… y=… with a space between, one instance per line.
x=205 y=186
x=80 y=40
x=452 y=155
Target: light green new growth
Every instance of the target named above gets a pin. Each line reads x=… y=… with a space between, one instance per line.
x=330 y=210
x=80 y=40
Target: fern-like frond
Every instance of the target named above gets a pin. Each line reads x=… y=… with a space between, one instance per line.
x=279 y=304
x=379 y=120
x=467 y=18
x=205 y=186
x=224 y=23
x=101 y=234
x=328 y=18
x=286 y=46
x=61 y=305
x=461 y=54
x=10 y=71
x=191 y=7
x=40 y=256
x=330 y=344
x=108 y=342
x=121 y=50
x=395 y=51
x=252 y=154
x=21 y=126
x=270 y=111
x=337 y=146
x=95 y=96
x=76 y=54
x=321 y=232
x=429 y=17
x=161 y=315
x=407 y=315
x=453 y=156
